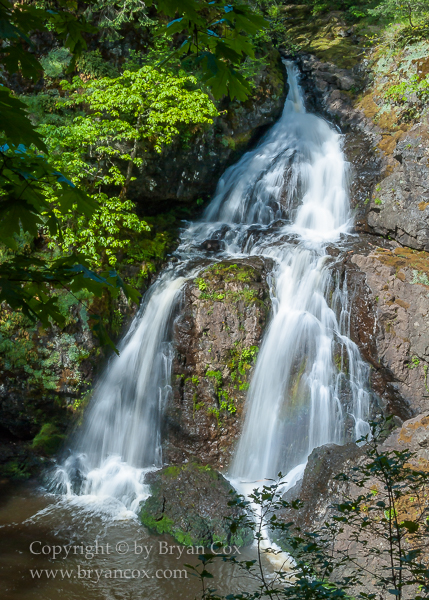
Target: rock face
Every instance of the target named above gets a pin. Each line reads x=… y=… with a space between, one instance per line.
x=412 y=436
x=216 y=340
x=328 y=89
x=190 y=502
x=392 y=304
x=400 y=204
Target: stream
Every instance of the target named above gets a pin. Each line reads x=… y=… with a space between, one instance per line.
x=286 y=201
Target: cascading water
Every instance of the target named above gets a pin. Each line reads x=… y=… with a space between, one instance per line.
x=286 y=200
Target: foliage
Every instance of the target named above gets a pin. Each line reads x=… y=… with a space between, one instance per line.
x=29 y=353
x=386 y=518
x=18 y=20
x=56 y=62
x=409 y=9
x=92 y=64
x=26 y=279
x=275 y=32
x=216 y=36
x=354 y=10
x=415 y=85
x=98 y=149
x=110 y=16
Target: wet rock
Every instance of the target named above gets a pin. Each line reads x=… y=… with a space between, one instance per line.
x=190 y=502
x=328 y=91
x=216 y=340
x=318 y=488
x=213 y=245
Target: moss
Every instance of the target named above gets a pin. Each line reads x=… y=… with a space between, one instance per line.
x=241 y=359
x=165 y=525
x=400 y=258
x=162 y=525
x=215 y=284
x=172 y=471
x=321 y=35
x=15 y=469
x=48 y=440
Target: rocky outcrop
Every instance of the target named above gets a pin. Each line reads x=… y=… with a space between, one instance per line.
x=320 y=489
x=412 y=436
x=216 y=340
x=332 y=90
x=190 y=502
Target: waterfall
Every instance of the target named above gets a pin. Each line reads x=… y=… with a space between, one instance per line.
x=287 y=200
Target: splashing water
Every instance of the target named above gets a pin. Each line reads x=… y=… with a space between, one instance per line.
x=286 y=200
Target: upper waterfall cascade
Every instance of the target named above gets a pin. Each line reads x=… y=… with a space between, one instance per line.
x=287 y=200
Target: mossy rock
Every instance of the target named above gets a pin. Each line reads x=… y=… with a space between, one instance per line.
x=190 y=503
x=48 y=440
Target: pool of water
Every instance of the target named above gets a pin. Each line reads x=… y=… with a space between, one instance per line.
x=54 y=548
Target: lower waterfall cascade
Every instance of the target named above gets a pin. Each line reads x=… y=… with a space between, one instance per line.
x=286 y=200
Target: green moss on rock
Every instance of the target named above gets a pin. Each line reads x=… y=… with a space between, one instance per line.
x=48 y=440
x=229 y=282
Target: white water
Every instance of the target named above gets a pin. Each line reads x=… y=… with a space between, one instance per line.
x=286 y=200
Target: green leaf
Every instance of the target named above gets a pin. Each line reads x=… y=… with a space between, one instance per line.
x=411 y=526
x=15 y=123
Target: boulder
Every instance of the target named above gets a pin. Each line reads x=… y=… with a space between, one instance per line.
x=318 y=489
x=190 y=502
x=216 y=340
